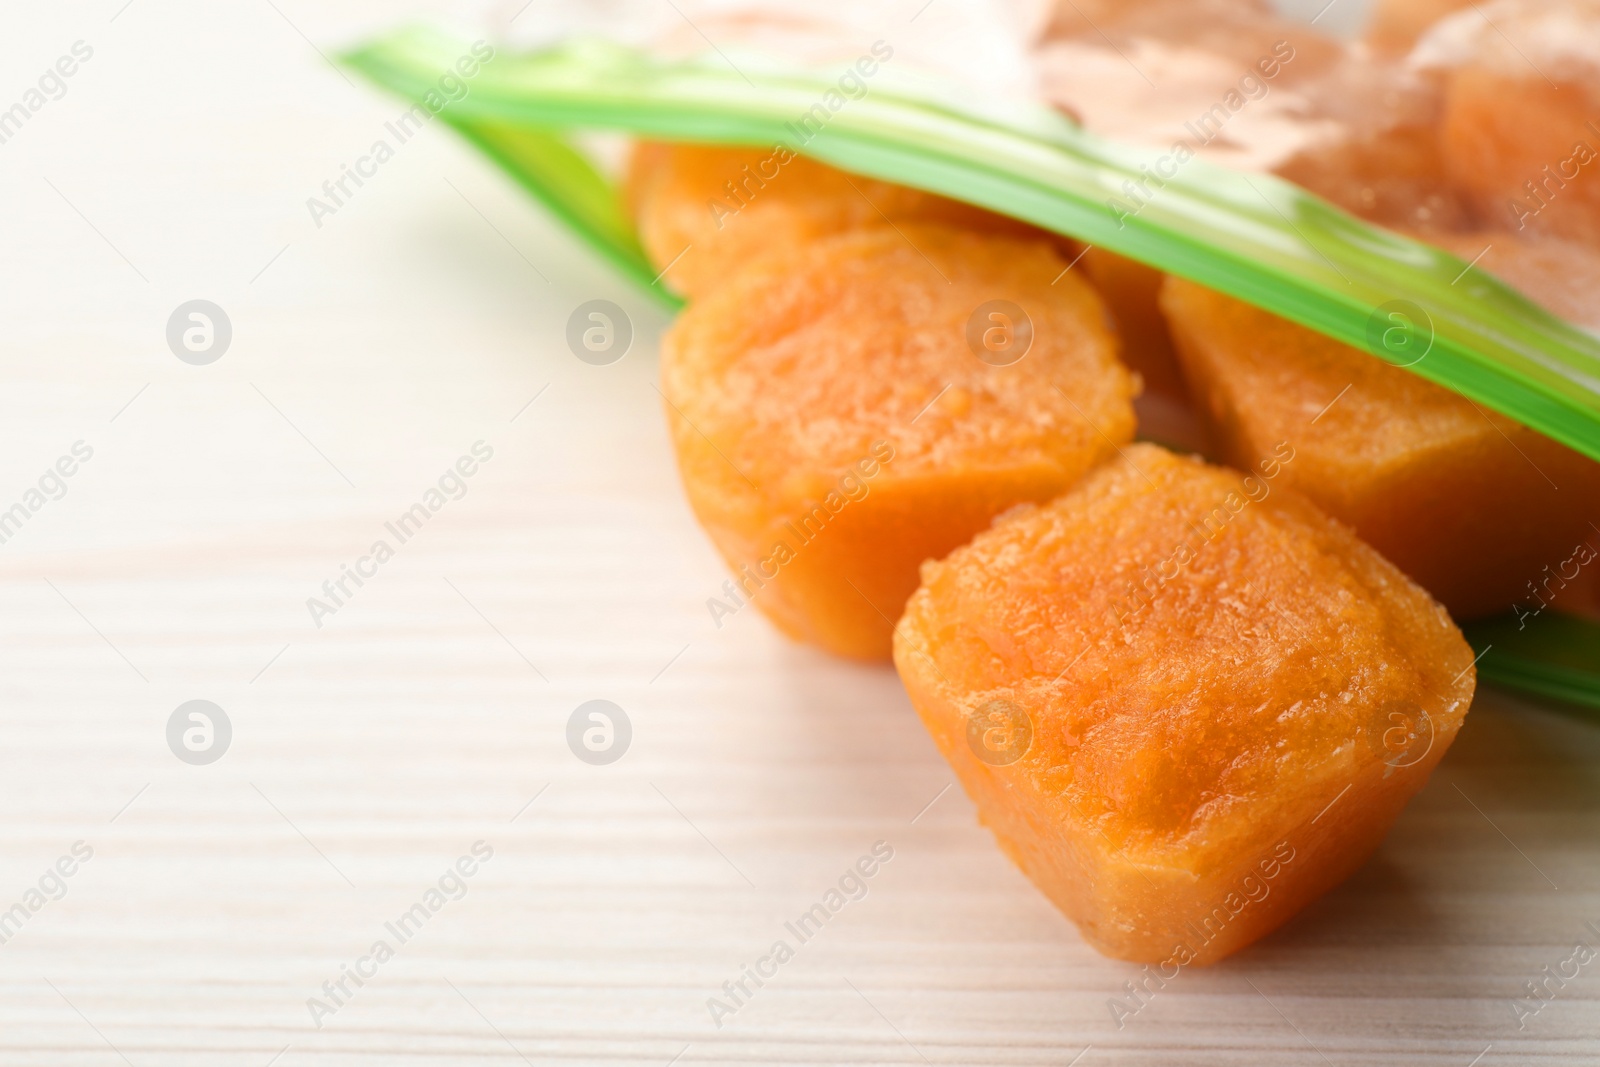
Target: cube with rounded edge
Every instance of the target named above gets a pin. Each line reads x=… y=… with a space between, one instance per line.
x=1470 y=504
x=872 y=400
x=1521 y=130
x=1184 y=700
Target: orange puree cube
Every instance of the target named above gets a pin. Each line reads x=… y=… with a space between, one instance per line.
x=706 y=213
x=1521 y=130
x=1470 y=504
x=1372 y=145
x=876 y=402
x=1184 y=700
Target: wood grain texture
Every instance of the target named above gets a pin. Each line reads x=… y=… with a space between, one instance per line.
x=425 y=715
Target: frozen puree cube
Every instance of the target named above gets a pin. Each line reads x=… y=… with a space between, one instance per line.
x=1232 y=82
x=1521 y=130
x=1184 y=700
x=1467 y=502
x=842 y=416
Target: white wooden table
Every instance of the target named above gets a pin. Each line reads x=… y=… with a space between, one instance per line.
x=430 y=711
